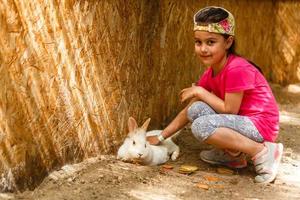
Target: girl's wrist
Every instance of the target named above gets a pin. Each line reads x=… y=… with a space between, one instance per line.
x=160 y=137
x=164 y=135
x=198 y=93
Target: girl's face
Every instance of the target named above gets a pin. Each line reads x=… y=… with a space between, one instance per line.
x=211 y=48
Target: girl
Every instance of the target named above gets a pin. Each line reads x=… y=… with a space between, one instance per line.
x=231 y=106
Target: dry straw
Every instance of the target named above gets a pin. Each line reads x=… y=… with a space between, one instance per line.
x=72 y=72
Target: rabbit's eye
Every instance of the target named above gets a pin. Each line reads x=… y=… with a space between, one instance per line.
x=133 y=142
x=145 y=145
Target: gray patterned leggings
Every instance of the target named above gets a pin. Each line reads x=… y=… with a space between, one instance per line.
x=205 y=121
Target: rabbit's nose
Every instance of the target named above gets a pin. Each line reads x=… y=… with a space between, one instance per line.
x=140 y=154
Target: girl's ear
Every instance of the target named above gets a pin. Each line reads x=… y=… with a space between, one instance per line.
x=132 y=124
x=146 y=123
x=229 y=42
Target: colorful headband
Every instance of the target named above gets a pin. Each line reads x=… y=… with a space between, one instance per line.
x=226 y=26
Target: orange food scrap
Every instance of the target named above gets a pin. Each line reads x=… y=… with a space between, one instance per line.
x=202 y=186
x=224 y=171
x=219 y=186
x=167 y=167
x=211 y=178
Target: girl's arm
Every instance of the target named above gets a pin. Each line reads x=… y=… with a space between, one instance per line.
x=231 y=105
x=178 y=122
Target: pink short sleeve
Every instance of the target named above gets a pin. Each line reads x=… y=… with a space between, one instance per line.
x=240 y=79
x=203 y=81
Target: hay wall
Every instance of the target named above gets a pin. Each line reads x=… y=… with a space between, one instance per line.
x=286 y=53
x=72 y=72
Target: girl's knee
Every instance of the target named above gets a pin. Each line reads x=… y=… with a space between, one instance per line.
x=202 y=128
x=198 y=109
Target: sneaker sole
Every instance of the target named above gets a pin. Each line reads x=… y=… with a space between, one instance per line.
x=223 y=164
x=272 y=178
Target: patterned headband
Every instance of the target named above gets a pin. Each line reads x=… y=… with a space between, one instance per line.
x=226 y=26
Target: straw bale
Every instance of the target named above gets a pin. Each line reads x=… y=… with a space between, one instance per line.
x=72 y=72
x=286 y=60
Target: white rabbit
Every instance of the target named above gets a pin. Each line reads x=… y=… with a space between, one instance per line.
x=137 y=148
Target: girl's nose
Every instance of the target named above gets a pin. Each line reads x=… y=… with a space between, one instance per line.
x=203 y=48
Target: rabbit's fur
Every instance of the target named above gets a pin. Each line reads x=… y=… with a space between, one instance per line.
x=137 y=148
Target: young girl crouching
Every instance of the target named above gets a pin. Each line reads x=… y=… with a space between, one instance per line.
x=231 y=106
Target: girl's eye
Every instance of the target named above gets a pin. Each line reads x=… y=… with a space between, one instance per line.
x=133 y=142
x=209 y=42
x=197 y=42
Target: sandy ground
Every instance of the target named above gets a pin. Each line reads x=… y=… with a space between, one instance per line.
x=105 y=177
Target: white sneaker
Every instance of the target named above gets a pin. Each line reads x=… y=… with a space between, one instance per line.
x=267 y=162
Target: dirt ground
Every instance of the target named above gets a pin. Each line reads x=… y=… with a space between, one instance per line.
x=105 y=177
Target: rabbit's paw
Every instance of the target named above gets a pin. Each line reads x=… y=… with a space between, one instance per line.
x=175 y=155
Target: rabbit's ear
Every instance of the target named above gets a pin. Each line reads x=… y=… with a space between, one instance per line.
x=146 y=123
x=132 y=124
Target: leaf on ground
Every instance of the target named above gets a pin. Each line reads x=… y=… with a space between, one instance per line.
x=188 y=168
x=184 y=172
x=225 y=171
x=202 y=186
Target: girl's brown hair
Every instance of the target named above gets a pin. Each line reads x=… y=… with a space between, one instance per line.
x=214 y=15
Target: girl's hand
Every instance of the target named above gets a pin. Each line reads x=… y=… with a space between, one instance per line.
x=153 y=140
x=189 y=93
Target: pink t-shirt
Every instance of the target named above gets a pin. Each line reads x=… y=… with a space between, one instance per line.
x=258 y=102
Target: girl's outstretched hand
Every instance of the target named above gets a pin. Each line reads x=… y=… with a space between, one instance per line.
x=153 y=140
x=189 y=93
